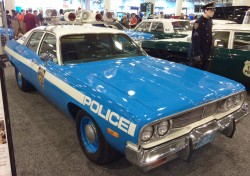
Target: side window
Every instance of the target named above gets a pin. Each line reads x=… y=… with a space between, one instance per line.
x=241 y=41
x=124 y=44
x=34 y=41
x=144 y=26
x=157 y=27
x=49 y=46
x=221 y=39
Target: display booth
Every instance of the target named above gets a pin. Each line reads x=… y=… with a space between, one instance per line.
x=7 y=160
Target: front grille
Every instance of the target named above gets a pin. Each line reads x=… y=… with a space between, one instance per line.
x=194 y=115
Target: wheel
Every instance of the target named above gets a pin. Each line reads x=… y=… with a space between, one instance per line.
x=22 y=83
x=92 y=141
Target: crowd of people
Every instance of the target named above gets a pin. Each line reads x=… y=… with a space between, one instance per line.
x=25 y=20
x=131 y=20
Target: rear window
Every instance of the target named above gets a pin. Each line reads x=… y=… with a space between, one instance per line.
x=180 y=26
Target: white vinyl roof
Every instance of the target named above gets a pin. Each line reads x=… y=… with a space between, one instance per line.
x=163 y=20
x=61 y=30
x=229 y=27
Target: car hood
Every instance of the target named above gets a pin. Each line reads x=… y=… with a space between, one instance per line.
x=162 y=86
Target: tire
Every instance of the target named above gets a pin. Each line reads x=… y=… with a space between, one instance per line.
x=22 y=83
x=92 y=141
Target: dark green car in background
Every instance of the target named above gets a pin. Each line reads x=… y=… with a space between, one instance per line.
x=230 y=55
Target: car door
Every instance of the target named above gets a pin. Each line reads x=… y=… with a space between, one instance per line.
x=220 y=62
x=239 y=60
x=48 y=46
x=157 y=29
x=29 y=52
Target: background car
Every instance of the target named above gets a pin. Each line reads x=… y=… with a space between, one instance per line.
x=230 y=56
x=165 y=28
x=3 y=33
x=124 y=101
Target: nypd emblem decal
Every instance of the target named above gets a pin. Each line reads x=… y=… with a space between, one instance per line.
x=40 y=76
x=246 y=69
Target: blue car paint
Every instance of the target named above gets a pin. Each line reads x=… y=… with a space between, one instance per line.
x=137 y=36
x=61 y=99
x=25 y=52
x=126 y=85
x=9 y=31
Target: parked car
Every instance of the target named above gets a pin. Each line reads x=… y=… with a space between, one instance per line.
x=4 y=32
x=165 y=28
x=123 y=100
x=217 y=22
x=230 y=56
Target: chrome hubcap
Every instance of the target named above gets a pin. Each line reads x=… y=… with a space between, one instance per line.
x=19 y=76
x=90 y=133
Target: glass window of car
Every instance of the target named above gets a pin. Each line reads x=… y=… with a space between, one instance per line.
x=241 y=41
x=49 y=46
x=180 y=26
x=34 y=40
x=143 y=27
x=221 y=39
x=97 y=47
x=157 y=27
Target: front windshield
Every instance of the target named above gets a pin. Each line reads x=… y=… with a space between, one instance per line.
x=181 y=26
x=247 y=18
x=97 y=47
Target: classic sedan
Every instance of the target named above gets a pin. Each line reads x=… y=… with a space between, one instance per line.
x=124 y=101
x=230 y=56
x=165 y=28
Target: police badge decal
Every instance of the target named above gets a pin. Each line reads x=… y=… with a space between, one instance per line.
x=246 y=68
x=40 y=76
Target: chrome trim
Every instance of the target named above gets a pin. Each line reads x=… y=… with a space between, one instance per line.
x=183 y=146
x=217 y=115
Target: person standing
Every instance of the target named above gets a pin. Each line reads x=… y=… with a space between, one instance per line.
x=144 y=16
x=29 y=20
x=125 y=21
x=8 y=17
x=200 y=50
x=40 y=18
x=37 y=21
x=133 y=21
x=21 y=15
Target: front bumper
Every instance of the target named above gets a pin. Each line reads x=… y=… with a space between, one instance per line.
x=183 y=146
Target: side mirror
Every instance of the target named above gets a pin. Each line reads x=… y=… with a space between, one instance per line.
x=45 y=57
x=216 y=42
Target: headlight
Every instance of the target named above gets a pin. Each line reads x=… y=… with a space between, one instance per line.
x=231 y=102
x=163 y=128
x=147 y=133
x=238 y=99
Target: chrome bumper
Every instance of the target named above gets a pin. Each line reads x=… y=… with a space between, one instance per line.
x=183 y=146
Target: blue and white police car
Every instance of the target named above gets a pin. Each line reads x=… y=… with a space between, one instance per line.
x=124 y=101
